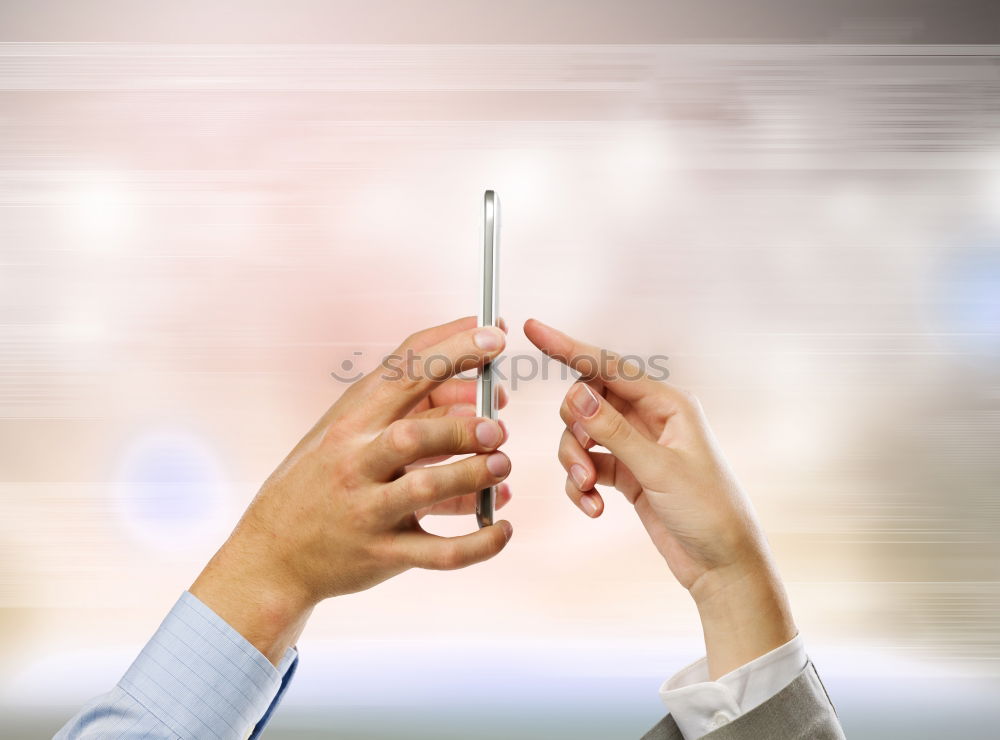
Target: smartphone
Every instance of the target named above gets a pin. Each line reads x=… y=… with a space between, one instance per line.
x=486 y=390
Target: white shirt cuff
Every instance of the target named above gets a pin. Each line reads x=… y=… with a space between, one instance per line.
x=700 y=706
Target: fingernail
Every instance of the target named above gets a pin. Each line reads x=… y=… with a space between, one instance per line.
x=488 y=339
x=589 y=504
x=488 y=433
x=584 y=401
x=462 y=409
x=498 y=464
x=579 y=475
x=581 y=436
x=507 y=529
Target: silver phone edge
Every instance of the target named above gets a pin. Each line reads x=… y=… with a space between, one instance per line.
x=486 y=498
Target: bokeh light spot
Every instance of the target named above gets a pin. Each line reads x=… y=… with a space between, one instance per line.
x=171 y=489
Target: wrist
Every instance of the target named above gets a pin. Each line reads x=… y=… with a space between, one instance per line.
x=253 y=598
x=744 y=613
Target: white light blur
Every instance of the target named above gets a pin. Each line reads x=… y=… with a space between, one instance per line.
x=101 y=212
x=83 y=329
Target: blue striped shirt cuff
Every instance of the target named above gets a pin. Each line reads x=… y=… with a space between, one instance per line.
x=201 y=678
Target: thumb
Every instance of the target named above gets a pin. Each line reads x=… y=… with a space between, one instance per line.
x=604 y=424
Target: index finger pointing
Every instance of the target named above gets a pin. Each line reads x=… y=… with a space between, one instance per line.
x=622 y=376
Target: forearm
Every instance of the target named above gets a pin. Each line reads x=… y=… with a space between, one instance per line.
x=262 y=605
x=744 y=613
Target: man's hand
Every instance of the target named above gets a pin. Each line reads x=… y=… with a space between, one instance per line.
x=664 y=459
x=342 y=512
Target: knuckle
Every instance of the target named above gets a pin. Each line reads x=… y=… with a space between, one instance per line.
x=571 y=489
x=438 y=368
x=385 y=503
x=333 y=436
x=407 y=381
x=476 y=475
x=404 y=437
x=612 y=365
x=349 y=472
x=587 y=365
x=565 y=444
x=615 y=427
x=421 y=485
x=398 y=373
x=347 y=469
x=564 y=413
x=687 y=400
x=410 y=342
x=364 y=514
x=563 y=455
x=463 y=435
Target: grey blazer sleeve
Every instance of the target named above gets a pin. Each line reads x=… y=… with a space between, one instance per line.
x=800 y=711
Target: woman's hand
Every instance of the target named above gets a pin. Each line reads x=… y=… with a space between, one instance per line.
x=342 y=512
x=663 y=457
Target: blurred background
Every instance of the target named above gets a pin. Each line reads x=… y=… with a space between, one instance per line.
x=206 y=208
